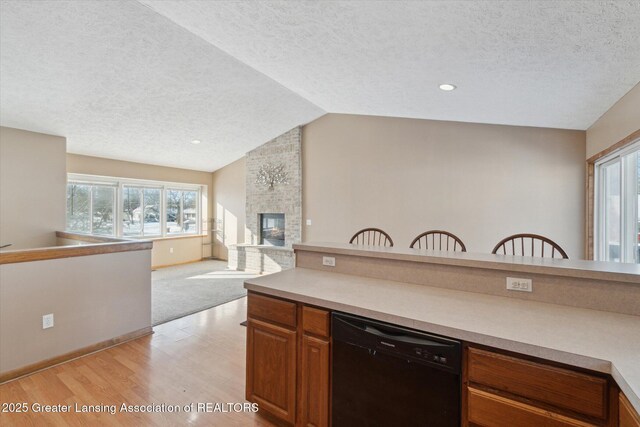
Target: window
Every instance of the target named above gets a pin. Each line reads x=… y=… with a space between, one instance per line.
x=151 y=220
x=133 y=208
x=102 y=201
x=78 y=207
x=131 y=211
x=618 y=206
x=90 y=208
x=182 y=207
x=141 y=211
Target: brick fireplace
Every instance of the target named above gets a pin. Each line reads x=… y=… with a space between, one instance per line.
x=283 y=199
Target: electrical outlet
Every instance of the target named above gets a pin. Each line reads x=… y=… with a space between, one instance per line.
x=308 y=222
x=170 y=250
x=47 y=321
x=329 y=261
x=522 y=285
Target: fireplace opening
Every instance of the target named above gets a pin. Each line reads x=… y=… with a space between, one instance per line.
x=271 y=229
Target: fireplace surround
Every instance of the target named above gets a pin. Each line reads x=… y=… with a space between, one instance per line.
x=272 y=251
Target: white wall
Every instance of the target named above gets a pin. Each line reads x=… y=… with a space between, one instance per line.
x=32 y=188
x=480 y=182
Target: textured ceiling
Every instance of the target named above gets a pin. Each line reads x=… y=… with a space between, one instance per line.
x=121 y=81
x=538 y=63
x=138 y=80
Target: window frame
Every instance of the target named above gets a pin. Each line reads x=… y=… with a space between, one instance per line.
x=91 y=186
x=142 y=205
x=628 y=248
x=198 y=202
x=120 y=183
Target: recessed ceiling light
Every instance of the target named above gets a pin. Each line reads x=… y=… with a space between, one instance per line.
x=196 y=141
x=447 y=87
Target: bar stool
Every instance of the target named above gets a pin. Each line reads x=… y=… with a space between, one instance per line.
x=515 y=245
x=372 y=237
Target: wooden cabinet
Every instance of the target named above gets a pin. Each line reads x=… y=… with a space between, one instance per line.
x=288 y=360
x=314 y=373
x=628 y=416
x=558 y=387
x=314 y=396
x=289 y=376
x=489 y=409
x=272 y=310
x=504 y=390
x=271 y=368
x=271 y=356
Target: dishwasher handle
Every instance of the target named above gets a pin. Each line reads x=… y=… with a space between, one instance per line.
x=403 y=338
x=393 y=333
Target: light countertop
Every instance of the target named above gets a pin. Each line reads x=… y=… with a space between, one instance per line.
x=597 y=340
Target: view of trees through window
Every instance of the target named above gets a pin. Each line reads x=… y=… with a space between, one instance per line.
x=91 y=209
x=78 y=207
x=181 y=211
x=141 y=211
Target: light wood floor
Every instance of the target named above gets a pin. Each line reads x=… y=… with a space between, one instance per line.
x=199 y=358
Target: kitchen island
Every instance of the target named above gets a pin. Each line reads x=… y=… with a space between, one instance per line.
x=581 y=320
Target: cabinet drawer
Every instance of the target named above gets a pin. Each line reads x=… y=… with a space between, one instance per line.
x=562 y=388
x=490 y=410
x=272 y=309
x=316 y=321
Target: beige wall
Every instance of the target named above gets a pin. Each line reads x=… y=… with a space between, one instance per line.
x=184 y=250
x=622 y=119
x=90 y=299
x=32 y=188
x=229 y=206
x=181 y=250
x=481 y=182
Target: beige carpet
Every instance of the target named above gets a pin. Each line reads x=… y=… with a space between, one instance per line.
x=186 y=289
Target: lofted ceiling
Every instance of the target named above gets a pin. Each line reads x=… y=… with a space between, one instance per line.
x=139 y=80
x=123 y=82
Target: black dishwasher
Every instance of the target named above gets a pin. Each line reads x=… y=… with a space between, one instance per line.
x=385 y=375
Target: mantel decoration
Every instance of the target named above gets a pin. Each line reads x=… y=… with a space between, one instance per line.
x=270 y=174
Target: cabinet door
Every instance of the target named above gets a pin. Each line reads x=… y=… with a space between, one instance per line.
x=628 y=416
x=314 y=396
x=271 y=369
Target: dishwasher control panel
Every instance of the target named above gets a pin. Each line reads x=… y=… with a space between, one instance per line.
x=438 y=358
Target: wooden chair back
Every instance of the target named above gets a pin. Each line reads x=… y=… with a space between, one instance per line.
x=438 y=240
x=371 y=237
x=529 y=245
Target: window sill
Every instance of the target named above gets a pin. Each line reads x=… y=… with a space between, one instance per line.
x=100 y=238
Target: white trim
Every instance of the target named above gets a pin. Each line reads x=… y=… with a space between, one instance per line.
x=628 y=214
x=100 y=179
x=120 y=183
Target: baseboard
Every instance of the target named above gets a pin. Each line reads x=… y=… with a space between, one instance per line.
x=47 y=363
x=156 y=267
